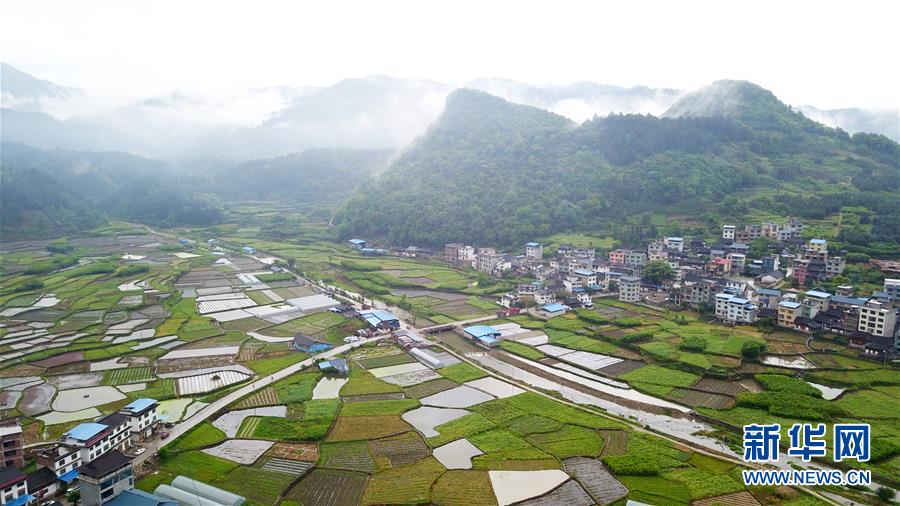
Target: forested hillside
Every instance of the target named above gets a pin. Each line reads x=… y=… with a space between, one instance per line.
x=33 y=204
x=492 y=172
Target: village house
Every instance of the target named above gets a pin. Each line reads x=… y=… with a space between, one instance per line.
x=306 y=344
x=788 y=312
x=102 y=480
x=629 y=289
x=13 y=487
x=544 y=296
x=877 y=318
x=534 y=251
x=674 y=243
x=768 y=298
x=357 y=244
x=483 y=334
x=11 y=444
x=378 y=319
x=142 y=418
x=732 y=308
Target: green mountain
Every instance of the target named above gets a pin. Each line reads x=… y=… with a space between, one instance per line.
x=492 y=172
x=33 y=204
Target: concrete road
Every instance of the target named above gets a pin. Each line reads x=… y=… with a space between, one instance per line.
x=208 y=411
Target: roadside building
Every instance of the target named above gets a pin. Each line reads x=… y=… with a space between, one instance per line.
x=104 y=478
x=42 y=484
x=483 y=334
x=357 y=244
x=250 y=250
x=379 y=319
x=94 y=439
x=334 y=366
x=13 y=487
x=11 y=444
x=307 y=344
x=142 y=418
x=629 y=289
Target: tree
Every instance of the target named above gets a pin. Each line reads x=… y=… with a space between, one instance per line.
x=753 y=349
x=885 y=494
x=656 y=271
x=74 y=497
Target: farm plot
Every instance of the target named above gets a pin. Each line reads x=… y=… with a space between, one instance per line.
x=400 y=450
x=325 y=487
x=259 y=486
x=242 y=451
x=696 y=398
x=62 y=359
x=404 y=485
x=514 y=486
x=595 y=478
x=129 y=375
x=459 y=397
x=569 y=493
x=411 y=378
x=82 y=380
x=717 y=386
x=172 y=410
x=292 y=467
x=307 y=452
x=472 y=488
x=429 y=388
x=497 y=388
x=457 y=454
x=264 y=397
x=248 y=427
x=381 y=372
x=201 y=352
x=81 y=398
x=208 y=382
x=386 y=360
x=615 y=442
x=36 y=399
x=56 y=417
x=230 y=422
x=352 y=428
x=346 y=456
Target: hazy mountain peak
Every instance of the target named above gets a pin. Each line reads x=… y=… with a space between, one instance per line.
x=725 y=98
x=23 y=91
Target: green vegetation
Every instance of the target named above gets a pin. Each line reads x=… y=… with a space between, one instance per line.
x=374 y=408
x=462 y=372
x=656 y=375
x=788 y=384
x=200 y=436
x=317 y=418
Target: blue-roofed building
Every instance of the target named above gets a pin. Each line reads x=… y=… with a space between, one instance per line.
x=306 y=344
x=136 y=497
x=482 y=333
x=357 y=244
x=95 y=439
x=489 y=341
x=555 y=309
x=335 y=365
x=85 y=431
x=250 y=250
x=843 y=302
x=142 y=418
x=379 y=319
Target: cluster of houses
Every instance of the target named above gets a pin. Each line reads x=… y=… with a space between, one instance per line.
x=92 y=453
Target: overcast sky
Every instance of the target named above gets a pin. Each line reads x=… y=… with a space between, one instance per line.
x=825 y=53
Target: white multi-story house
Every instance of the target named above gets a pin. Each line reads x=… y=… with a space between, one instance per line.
x=728 y=232
x=142 y=419
x=13 y=486
x=629 y=288
x=834 y=266
x=818 y=246
x=735 y=309
x=112 y=432
x=877 y=318
x=544 y=296
x=674 y=243
x=892 y=288
x=822 y=300
x=534 y=251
